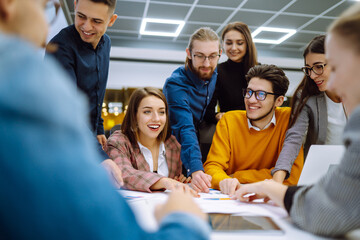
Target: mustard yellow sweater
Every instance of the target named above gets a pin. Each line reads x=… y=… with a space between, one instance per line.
x=247 y=154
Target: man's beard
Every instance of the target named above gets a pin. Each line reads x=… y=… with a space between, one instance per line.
x=203 y=76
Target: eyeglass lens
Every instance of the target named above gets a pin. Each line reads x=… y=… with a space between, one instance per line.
x=317 y=69
x=259 y=95
x=203 y=57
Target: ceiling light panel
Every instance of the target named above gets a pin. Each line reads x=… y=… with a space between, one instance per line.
x=288 y=33
x=176 y=33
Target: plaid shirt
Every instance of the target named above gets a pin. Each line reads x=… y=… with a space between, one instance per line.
x=135 y=170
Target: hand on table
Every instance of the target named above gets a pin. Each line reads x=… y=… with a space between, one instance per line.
x=201 y=182
x=229 y=186
x=182 y=179
x=267 y=190
x=171 y=184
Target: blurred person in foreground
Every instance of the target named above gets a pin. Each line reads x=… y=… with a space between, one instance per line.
x=51 y=186
x=330 y=207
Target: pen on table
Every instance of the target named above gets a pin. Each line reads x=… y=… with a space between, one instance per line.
x=217 y=198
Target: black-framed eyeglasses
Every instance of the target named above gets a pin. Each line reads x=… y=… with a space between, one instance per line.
x=259 y=94
x=318 y=69
x=51 y=10
x=202 y=58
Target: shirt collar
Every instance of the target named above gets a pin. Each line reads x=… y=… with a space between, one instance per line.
x=161 y=148
x=273 y=121
x=101 y=42
x=141 y=146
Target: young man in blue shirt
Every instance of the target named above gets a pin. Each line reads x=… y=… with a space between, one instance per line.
x=188 y=91
x=83 y=49
x=51 y=185
x=84 y=52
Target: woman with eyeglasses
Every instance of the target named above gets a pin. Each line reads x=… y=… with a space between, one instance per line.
x=317 y=112
x=145 y=151
x=241 y=52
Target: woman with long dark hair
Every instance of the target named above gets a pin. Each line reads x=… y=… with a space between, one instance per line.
x=317 y=112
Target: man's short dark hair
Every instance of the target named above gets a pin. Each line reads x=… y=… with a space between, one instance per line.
x=271 y=73
x=110 y=3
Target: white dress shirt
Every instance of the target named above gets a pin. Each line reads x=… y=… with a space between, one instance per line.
x=162 y=164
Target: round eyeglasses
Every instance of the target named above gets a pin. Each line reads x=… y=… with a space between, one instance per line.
x=259 y=95
x=318 y=69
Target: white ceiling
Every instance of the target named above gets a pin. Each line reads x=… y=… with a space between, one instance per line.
x=308 y=17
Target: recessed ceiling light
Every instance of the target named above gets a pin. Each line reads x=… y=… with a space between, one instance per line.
x=289 y=32
x=161 y=21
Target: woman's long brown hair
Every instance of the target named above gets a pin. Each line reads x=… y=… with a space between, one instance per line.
x=307 y=87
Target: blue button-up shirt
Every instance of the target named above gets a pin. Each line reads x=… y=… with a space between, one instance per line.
x=188 y=96
x=87 y=66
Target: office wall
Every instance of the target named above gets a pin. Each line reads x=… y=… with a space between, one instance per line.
x=123 y=74
x=60 y=23
x=146 y=67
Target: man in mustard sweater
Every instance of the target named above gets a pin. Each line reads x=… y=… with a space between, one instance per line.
x=247 y=143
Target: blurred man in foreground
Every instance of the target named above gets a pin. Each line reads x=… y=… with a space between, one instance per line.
x=51 y=186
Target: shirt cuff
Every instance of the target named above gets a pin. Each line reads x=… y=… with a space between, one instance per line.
x=195 y=168
x=100 y=131
x=188 y=222
x=289 y=196
x=100 y=127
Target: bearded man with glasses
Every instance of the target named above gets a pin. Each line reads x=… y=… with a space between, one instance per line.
x=246 y=144
x=188 y=91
